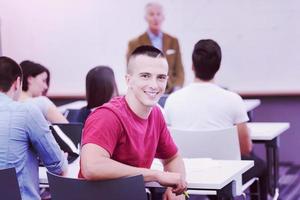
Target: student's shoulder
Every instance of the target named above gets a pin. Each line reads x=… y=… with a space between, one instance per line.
x=180 y=93
x=31 y=107
x=157 y=112
x=28 y=108
x=42 y=98
x=232 y=95
x=111 y=108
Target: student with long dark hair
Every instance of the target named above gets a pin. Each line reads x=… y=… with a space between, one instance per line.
x=100 y=88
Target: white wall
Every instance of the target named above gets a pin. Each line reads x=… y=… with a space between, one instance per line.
x=260 y=39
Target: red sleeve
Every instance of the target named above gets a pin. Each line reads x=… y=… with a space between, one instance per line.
x=166 y=147
x=102 y=128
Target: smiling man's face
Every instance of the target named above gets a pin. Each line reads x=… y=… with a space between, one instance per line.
x=147 y=79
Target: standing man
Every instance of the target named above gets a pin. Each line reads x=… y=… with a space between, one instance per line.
x=212 y=107
x=122 y=137
x=166 y=43
x=24 y=134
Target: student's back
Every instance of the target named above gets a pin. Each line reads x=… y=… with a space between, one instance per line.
x=211 y=106
x=205 y=106
x=24 y=134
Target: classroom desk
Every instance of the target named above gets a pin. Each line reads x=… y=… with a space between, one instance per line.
x=202 y=174
x=249 y=103
x=268 y=133
x=73 y=105
x=210 y=175
x=72 y=172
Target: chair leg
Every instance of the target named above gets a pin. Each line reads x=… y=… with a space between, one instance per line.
x=244 y=196
x=257 y=192
x=258 y=189
x=252 y=194
x=148 y=192
x=276 y=196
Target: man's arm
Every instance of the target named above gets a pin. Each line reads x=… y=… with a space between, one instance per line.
x=44 y=143
x=244 y=138
x=96 y=164
x=54 y=116
x=175 y=164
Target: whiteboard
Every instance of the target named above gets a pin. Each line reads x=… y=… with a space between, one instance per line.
x=260 y=39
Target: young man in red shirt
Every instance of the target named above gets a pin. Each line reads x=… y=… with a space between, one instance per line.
x=121 y=138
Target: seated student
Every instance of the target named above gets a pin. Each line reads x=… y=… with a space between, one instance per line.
x=213 y=107
x=35 y=84
x=100 y=88
x=24 y=134
x=122 y=137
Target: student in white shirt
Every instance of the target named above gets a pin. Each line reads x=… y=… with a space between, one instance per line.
x=203 y=105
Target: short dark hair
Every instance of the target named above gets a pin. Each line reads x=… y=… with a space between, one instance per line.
x=32 y=69
x=9 y=72
x=206 y=59
x=147 y=50
x=100 y=86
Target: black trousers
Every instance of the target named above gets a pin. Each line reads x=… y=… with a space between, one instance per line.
x=259 y=170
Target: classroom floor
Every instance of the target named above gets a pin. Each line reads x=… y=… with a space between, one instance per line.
x=289 y=181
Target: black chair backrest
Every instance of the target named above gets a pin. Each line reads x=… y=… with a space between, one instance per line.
x=72 y=115
x=130 y=188
x=9 y=186
x=162 y=100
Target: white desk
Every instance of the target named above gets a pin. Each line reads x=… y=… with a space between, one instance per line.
x=268 y=133
x=205 y=173
x=201 y=173
x=72 y=172
x=267 y=130
x=251 y=104
x=73 y=105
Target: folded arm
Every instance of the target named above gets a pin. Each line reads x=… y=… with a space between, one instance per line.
x=96 y=164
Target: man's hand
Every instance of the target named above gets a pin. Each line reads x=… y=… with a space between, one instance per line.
x=65 y=156
x=174 y=180
x=169 y=195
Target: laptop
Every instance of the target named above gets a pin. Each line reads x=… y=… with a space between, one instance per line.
x=68 y=137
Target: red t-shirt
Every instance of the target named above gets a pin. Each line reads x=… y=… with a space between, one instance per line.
x=128 y=138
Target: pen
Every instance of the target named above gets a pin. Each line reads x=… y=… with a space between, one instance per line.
x=186 y=194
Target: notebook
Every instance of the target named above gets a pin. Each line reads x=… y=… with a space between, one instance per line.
x=68 y=137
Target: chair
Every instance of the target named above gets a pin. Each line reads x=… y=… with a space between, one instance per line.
x=72 y=115
x=62 y=188
x=162 y=100
x=216 y=144
x=9 y=186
